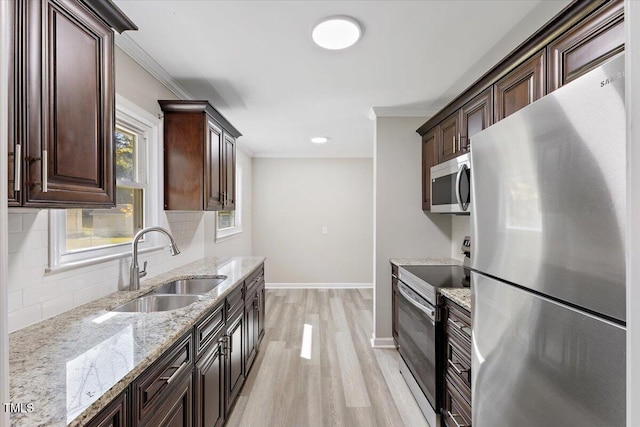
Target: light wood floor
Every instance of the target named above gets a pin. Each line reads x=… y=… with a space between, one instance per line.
x=345 y=382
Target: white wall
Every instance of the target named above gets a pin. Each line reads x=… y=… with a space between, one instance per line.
x=460 y=227
x=293 y=199
x=632 y=23
x=402 y=229
x=242 y=243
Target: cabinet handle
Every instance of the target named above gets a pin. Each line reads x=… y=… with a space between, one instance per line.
x=460 y=326
x=454 y=143
x=45 y=171
x=17 y=158
x=455 y=421
x=230 y=344
x=223 y=346
x=459 y=141
x=459 y=371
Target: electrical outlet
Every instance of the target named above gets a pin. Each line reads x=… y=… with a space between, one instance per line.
x=325 y=230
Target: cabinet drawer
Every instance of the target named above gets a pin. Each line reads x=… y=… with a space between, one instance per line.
x=234 y=302
x=457 y=411
x=458 y=362
x=208 y=328
x=255 y=274
x=458 y=325
x=255 y=283
x=153 y=386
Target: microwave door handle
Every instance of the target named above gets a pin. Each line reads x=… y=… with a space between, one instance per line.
x=458 y=178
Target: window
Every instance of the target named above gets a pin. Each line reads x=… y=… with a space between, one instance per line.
x=80 y=235
x=229 y=223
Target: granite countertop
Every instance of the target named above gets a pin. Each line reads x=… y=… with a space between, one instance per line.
x=461 y=296
x=425 y=261
x=71 y=366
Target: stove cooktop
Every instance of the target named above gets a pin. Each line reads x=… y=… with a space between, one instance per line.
x=427 y=279
x=440 y=276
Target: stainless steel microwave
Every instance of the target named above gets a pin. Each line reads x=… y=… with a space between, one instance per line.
x=451 y=186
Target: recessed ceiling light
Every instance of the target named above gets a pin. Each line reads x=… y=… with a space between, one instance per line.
x=319 y=139
x=336 y=32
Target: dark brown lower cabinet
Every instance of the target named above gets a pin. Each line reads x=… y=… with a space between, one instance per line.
x=234 y=363
x=177 y=410
x=209 y=385
x=158 y=391
x=114 y=415
x=197 y=380
x=254 y=321
x=456 y=411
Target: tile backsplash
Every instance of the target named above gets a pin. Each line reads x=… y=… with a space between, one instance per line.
x=35 y=295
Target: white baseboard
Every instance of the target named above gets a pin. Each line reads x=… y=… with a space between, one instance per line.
x=319 y=285
x=382 y=342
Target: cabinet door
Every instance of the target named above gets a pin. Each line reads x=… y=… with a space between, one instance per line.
x=69 y=90
x=213 y=169
x=449 y=138
x=114 y=415
x=14 y=147
x=229 y=171
x=234 y=368
x=251 y=323
x=261 y=312
x=477 y=115
x=520 y=87
x=209 y=386
x=429 y=159
x=587 y=45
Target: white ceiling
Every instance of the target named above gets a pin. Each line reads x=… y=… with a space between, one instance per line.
x=255 y=62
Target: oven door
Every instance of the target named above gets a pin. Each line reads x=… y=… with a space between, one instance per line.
x=451 y=186
x=417 y=320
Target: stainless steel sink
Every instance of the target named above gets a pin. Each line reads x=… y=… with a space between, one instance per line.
x=197 y=286
x=157 y=302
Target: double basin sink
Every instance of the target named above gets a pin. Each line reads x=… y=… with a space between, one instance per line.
x=172 y=295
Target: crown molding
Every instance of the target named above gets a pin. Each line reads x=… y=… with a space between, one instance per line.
x=138 y=54
x=425 y=113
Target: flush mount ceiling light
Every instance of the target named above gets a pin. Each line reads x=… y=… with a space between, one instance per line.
x=336 y=32
x=319 y=139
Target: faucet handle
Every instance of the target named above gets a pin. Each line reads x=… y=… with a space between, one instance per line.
x=144 y=270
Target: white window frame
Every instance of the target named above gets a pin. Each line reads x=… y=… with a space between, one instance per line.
x=128 y=115
x=232 y=232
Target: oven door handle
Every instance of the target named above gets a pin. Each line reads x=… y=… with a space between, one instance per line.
x=463 y=205
x=430 y=312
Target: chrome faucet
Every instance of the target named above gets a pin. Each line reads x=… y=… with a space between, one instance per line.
x=134 y=271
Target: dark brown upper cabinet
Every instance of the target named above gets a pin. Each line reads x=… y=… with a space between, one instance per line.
x=429 y=158
x=587 y=45
x=61 y=134
x=475 y=116
x=199 y=157
x=520 y=87
x=448 y=138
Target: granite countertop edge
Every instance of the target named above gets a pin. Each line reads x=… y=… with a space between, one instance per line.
x=182 y=320
x=461 y=296
x=425 y=261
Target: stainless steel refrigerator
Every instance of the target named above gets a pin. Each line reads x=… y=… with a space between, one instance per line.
x=548 y=230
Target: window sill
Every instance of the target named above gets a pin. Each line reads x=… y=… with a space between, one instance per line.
x=97 y=260
x=228 y=234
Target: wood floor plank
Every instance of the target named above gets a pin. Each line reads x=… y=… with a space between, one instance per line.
x=344 y=383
